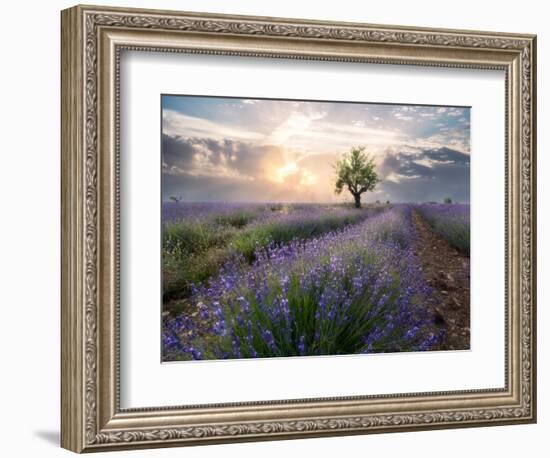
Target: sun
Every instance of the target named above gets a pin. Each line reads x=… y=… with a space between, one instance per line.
x=291 y=172
x=282 y=173
x=307 y=178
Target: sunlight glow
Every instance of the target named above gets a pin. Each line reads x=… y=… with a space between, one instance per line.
x=291 y=174
x=307 y=178
x=285 y=171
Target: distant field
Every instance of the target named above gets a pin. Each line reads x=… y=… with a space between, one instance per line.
x=248 y=280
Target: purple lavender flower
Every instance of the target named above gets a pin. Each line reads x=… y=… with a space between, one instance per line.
x=269 y=340
x=302 y=345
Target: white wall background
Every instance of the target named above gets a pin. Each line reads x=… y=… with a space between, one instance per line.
x=29 y=229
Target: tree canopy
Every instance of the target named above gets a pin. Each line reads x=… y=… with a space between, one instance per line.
x=356 y=173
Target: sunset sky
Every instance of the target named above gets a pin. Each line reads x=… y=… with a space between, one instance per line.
x=252 y=150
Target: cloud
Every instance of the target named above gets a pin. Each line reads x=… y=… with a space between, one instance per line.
x=175 y=123
x=212 y=157
x=294 y=125
x=325 y=136
x=454 y=112
x=403 y=117
x=176 y=153
x=430 y=174
x=206 y=157
x=454 y=138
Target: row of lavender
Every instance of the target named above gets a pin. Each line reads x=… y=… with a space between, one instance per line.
x=450 y=221
x=353 y=290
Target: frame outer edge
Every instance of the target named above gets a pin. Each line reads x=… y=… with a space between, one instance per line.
x=81 y=425
x=72 y=225
x=533 y=253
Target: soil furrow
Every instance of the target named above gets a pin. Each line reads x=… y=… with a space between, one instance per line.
x=447 y=272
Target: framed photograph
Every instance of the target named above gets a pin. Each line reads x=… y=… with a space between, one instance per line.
x=278 y=228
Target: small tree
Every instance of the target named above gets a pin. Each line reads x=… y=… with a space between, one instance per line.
x=447 y=200
x=355 y=172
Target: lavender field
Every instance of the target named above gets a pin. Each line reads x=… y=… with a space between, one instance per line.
x=367 y=263
x=275 y=280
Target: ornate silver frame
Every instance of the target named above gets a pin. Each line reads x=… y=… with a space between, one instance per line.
x=92 y=39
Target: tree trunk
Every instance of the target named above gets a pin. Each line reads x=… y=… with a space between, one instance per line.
x=357 y=198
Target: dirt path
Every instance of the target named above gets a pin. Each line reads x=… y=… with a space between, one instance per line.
x=447 y=271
